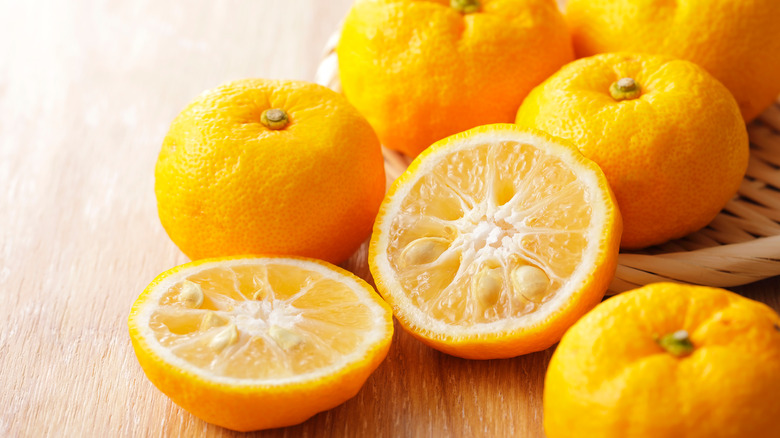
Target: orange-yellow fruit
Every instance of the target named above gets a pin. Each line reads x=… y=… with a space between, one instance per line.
x=273 y=167
x=253 y=343
x=423 y=70
x=667 y=360
x=670 y=140
x=737 y=41
x=495 y=241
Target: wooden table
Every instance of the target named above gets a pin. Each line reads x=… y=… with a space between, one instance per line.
x=87 y=90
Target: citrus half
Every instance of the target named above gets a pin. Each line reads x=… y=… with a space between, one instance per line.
x=257 y=343
x=495 y=241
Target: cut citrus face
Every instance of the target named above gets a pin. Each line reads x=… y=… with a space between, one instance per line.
x=257 y=343
x=494 y=241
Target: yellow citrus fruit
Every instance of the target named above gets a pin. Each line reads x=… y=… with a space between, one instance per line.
x=667 y=134
x=422 y=70
x=253 y=343
x=737 y=41
x=495 y=241
x=276 y=167
x=667 y=360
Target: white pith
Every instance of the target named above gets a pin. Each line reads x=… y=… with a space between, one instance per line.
x=257 y=317
x=480 y=238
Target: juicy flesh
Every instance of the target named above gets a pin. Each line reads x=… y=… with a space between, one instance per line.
x=492 y=232
x=260 y=321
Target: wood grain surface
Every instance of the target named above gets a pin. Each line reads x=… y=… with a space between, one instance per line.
x=87 y=91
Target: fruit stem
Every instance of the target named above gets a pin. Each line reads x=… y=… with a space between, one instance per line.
x=625 y=88
x=274 y=119
x=466 y=6
x=677 y=344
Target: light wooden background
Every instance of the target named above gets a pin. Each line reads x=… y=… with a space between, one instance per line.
x=87 y=90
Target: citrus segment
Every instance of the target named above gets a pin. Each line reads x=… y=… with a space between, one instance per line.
x=293 y=331
x=494 y=240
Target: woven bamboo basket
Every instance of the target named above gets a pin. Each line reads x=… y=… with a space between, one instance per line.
x=741 y=245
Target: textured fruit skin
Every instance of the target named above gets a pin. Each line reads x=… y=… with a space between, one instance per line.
x=228 y=185
x=254 y=407
x=737 y=41
x=609 y=378
x=421 y=71
x=526 y=340
x=674 y=156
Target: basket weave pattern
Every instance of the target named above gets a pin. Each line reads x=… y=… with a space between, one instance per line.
x=741 y=245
